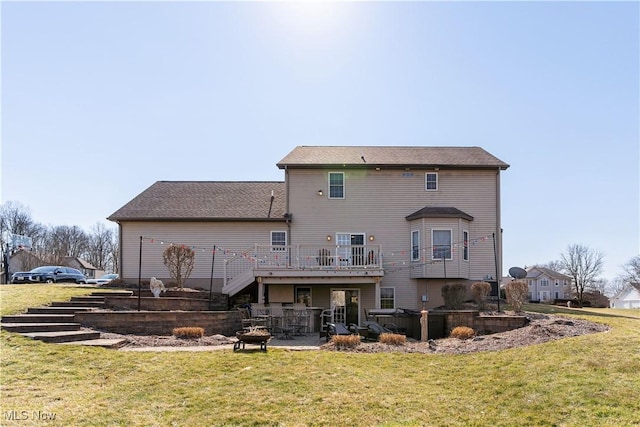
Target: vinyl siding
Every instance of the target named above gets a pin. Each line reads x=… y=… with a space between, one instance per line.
x=377 y=203
x=229 y=238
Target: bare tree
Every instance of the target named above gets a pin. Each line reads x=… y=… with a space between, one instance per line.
x=66 y=241
x=584 y=265
x=179 y=261
x=553 y=266
x=615 y=286
x=632 y=270
x=100 y=245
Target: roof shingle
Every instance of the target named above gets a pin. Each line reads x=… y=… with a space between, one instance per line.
x=206 y=200
x=378 y=156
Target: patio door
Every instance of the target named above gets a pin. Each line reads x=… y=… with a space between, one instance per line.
x=347 y=253
x=346 y=305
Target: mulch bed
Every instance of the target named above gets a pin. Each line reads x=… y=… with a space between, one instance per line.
x=542 y=328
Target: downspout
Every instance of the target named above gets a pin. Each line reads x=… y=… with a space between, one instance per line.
x=286 y=198
x=498 y=233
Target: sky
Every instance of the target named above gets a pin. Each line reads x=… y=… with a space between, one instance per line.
x=101 y=99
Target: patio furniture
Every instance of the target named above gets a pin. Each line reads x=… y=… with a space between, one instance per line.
x=334 y=329
x=326 y=317
x=251 y=322
x=302 y=316
x=374 y=329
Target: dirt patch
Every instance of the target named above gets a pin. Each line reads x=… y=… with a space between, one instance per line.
x=542 y=328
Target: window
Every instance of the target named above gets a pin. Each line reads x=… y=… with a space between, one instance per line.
x=431 y=181
x=336 y=185
x=278 y=238
x=415 y=245
x=441 y=244
x=544 y=282
x=465 y=245
x=387 y=298
x=303 y=296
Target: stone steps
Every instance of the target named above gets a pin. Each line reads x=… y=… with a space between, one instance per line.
x=72 y=303
x=57 y=310
x=63 y=336
x=38 y=318
x=101 y=342
x=23 y=327
x=111 y=293
x=55 y=323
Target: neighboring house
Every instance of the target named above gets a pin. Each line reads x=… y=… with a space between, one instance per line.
x=351 y=228
x=89 y=271
x=629 y=297
x=547 y=285
x=23 y=260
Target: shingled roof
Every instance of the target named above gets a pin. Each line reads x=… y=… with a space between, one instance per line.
x=372 y=157
x=439 y=212
x=206 y=201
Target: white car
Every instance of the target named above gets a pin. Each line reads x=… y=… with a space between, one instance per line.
x=103 y=280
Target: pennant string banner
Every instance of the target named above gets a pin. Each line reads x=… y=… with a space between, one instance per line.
x=394 y=260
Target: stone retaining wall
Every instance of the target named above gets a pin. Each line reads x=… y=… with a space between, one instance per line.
x=160 y=322
x=156 y=304
x=219 y=301
x=498 y=323
x=482 y=324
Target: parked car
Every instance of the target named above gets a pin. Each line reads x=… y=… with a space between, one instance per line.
x=50 y=274
x=103 y=280
x=20 y=277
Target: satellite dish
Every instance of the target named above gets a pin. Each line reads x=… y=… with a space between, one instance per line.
x=517 y=272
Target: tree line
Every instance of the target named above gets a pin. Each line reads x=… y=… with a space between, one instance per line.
x=51 y=244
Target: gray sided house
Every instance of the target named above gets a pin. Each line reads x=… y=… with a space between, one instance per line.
x=547 y=285
x=350 y=228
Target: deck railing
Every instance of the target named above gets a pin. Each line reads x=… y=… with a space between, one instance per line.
x=305 y=257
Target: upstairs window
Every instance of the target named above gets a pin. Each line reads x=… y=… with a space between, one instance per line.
x=336 y=185
x=431 y=181
x=415 y=245
x=278 y=240
x=441 y=244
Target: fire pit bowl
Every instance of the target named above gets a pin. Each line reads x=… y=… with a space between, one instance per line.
x=252 y=337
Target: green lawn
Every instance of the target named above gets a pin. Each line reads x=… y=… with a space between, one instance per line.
x=591 y=380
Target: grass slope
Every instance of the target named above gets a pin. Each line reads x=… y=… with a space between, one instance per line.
x=589 y=380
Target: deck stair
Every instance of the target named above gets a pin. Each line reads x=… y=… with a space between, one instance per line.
x=55 y=323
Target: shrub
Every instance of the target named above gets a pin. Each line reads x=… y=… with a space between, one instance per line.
x=480 y=292
x=392 y=339
x=345 y=341
x=517 y=293
x=462 y=332
x=454 y=296
x=179 y=260
x=188 y=332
